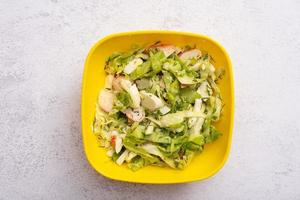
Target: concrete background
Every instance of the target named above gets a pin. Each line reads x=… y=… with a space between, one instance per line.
x=42 y=51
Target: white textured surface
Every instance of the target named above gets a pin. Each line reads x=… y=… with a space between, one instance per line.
x=43 y=47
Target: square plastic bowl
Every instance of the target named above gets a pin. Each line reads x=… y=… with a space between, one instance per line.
x=203 y=165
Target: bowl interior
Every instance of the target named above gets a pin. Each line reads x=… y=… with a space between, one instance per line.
x=203 y=165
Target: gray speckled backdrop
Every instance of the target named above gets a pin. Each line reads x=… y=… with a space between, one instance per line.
x=43 y=47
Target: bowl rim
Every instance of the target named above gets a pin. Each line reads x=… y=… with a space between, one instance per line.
x=140 y=32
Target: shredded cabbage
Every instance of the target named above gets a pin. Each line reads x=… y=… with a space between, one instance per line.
x=162 y=106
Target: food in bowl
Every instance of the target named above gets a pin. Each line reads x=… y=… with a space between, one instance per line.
x=158 y=105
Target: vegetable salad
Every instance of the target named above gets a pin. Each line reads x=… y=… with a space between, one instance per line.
x=158 y=105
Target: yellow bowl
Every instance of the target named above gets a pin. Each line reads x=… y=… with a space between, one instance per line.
x=203 y=165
